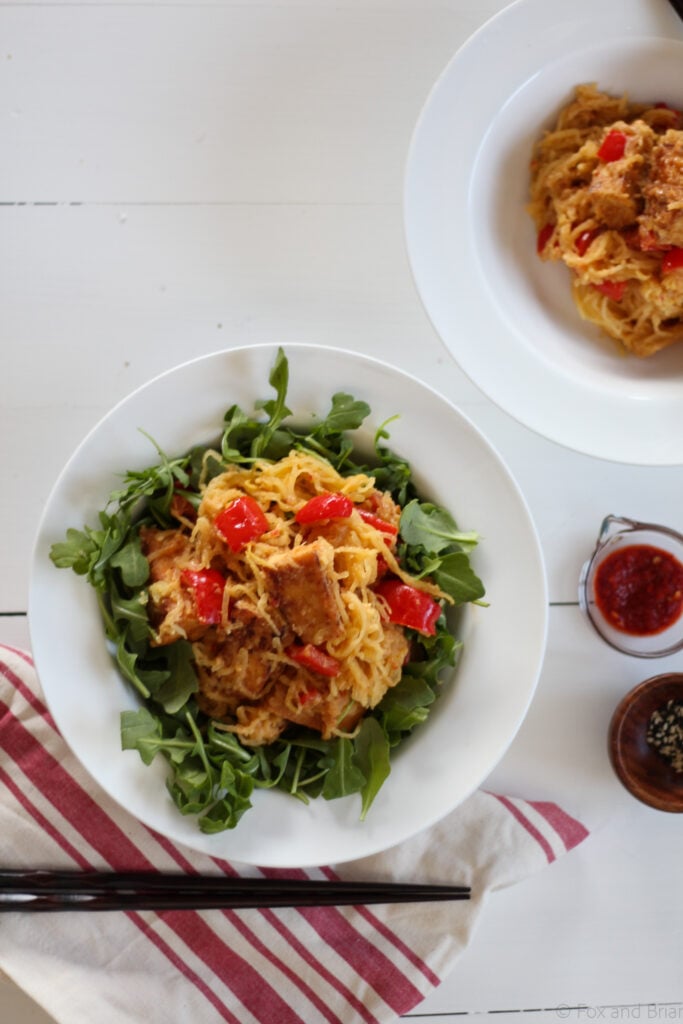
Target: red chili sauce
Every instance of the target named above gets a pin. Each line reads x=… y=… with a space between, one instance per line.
x=639 y=589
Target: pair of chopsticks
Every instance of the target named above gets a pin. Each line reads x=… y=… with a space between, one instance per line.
x=44 y=890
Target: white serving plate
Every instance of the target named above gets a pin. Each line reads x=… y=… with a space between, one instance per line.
x=508 y=318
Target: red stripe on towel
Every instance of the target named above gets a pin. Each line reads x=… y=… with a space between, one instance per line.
x=236 y=920
x=104 y=835
x=27 y=693
x=355 y=1004
x=526 y=824
x=570 y=831
x=331 y=925
x=360 y=954
x=290 y=938
x=40 y=819
x=391 y=937
x=24 y=655
x=140 y=922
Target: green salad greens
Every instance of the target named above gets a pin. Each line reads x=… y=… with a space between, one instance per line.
x=211 y=773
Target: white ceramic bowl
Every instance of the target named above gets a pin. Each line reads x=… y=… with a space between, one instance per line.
x=482 y=706
x=508 y=318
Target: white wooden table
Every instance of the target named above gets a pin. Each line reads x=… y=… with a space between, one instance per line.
x=178 y=178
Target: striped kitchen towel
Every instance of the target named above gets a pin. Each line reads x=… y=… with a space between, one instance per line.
x=292 y=966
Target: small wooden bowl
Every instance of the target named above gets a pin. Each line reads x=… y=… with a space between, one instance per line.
x=643 y=771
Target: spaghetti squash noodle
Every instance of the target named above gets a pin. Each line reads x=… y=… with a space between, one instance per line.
x=607 y=200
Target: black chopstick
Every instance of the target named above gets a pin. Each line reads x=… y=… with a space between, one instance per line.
x=45 y=890
x=677 y=6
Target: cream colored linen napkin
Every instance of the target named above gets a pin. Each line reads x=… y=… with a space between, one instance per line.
x=292 y=966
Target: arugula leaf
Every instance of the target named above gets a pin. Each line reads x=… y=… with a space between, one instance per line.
x=405 y=706
x=127 y=662
x=175 y=692
x=433 y=528
x=393 y=473
x=191 y=786
x=239 y=430
x=372 y=757
x=226 y=813
x=346 y=413
x=440 y=652
x=344 y=776
x=141 y=731
x=76 y=552
x=131 y=615
x=455 y=575
x=275 y=408
x=329 y=438
x=227 y=746
x=131 y=562
x=155 y=486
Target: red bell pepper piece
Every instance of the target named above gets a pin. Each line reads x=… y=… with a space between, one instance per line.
x=207 y=586
x=382 y=567
x=584 y=240
x=543 y=237
x=614 y=290
x=328 y=505
x=409 y=606
x=243 y=520
x=315 y=658
x=672 y=260
x=380 y=524
x=308 y=695
x=613 y=146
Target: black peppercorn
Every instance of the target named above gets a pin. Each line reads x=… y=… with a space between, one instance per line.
x=665 y=733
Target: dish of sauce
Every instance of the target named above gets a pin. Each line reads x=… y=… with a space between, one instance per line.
x=639 y=589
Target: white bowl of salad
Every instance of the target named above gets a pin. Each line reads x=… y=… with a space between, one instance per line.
x=288 y=606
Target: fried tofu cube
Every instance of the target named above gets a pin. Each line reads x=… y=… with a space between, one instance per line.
x=614 y=190
x=662 y=217
x=303 y=586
